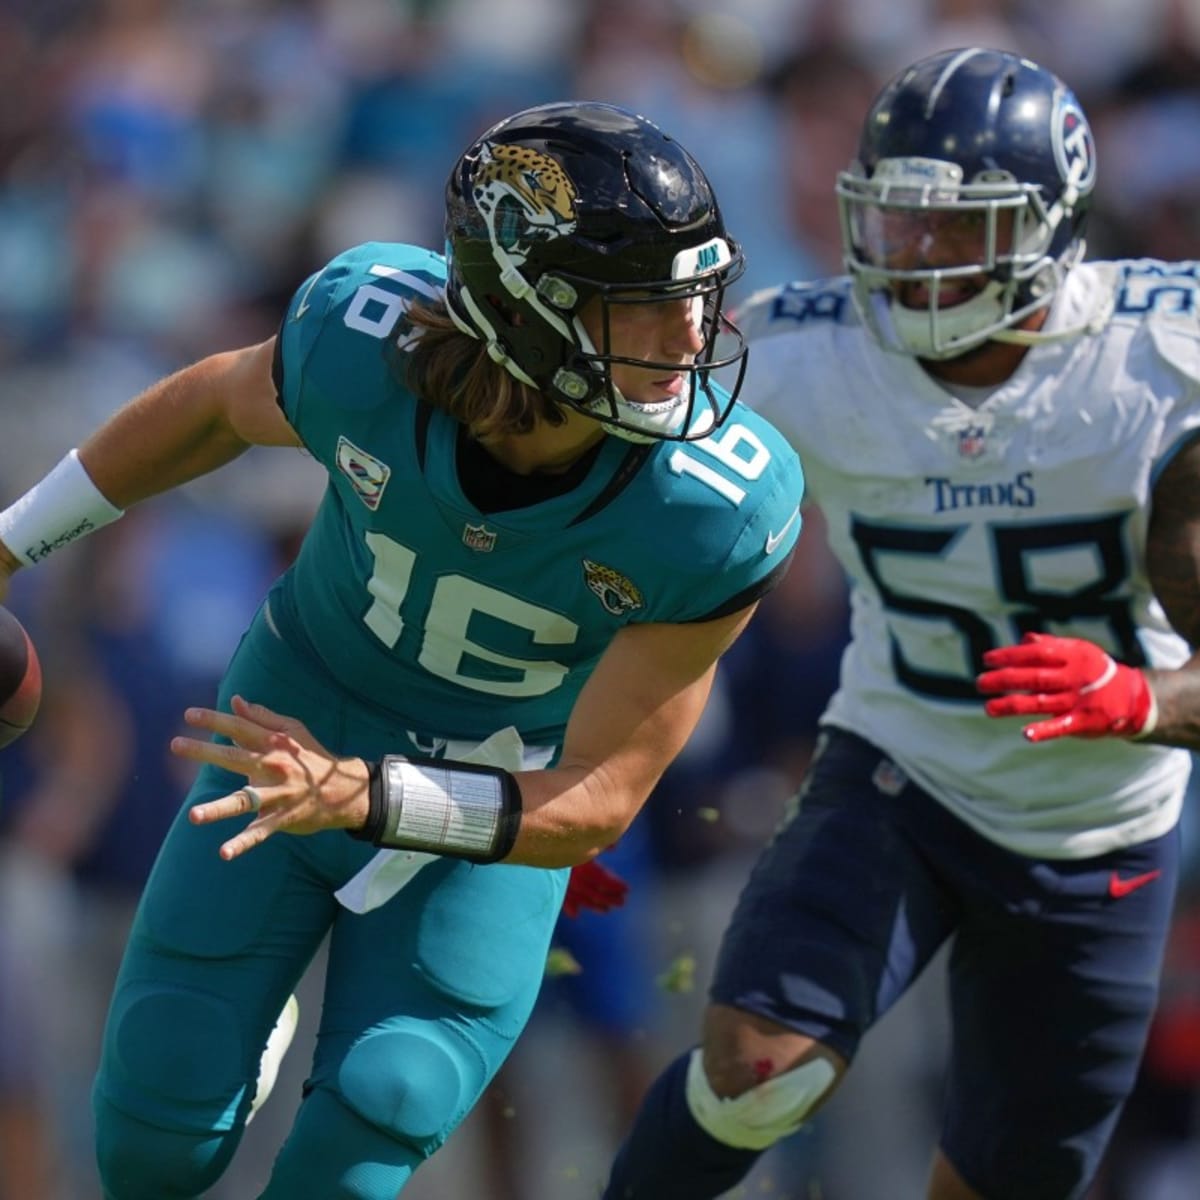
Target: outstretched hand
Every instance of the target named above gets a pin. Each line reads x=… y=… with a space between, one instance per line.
x=1084 y=690
x=293 y=784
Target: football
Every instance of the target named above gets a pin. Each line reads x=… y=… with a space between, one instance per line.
x=20 y=679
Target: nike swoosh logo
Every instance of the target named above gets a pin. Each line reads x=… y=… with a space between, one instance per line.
x=1118 y=887
x=773 y=539
x=304 y=306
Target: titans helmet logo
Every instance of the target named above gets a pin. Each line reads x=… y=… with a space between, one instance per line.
x=1074 y=149
x=524 y=196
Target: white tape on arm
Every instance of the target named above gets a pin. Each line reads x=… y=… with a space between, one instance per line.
x=64 y=507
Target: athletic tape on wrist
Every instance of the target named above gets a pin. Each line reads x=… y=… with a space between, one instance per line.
x=65 y=506
x=1151 y=721
x=455 y=809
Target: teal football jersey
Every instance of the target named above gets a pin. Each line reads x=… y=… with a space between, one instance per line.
x=461 y=622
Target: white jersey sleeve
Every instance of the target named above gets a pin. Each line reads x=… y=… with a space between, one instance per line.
x=962 y=528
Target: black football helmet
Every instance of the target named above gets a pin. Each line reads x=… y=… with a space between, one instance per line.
x=565 y=202
x=971 y=163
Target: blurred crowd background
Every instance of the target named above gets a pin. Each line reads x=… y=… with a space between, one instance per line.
x=170 y=171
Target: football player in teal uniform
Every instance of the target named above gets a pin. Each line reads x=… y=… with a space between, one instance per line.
x=544 y=523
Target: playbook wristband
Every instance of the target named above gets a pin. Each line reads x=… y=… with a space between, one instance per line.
x=64 y=506
x=459 y=810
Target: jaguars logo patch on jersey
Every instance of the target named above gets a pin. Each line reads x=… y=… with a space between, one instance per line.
x=618 y=594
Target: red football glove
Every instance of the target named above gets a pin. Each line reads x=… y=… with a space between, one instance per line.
x=1086 y=691
x=593 y=886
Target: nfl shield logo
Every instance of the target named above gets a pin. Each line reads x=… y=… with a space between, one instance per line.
x=478 y=537
x=972 y=441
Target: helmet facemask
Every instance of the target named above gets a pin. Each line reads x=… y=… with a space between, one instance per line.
x=990 y=237
x=583 y=380
x=966 y=207
x=587 y=384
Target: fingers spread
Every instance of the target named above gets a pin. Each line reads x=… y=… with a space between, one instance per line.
x=285 y=732
x=220 y=754
x=236 y=804
x=253 y=835
x=242 y=730
x=1022 y=679
x=1021 y=705
x=1044 y=731
x=261 y=715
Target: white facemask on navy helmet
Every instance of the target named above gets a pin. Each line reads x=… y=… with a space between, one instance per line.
x=974 y=167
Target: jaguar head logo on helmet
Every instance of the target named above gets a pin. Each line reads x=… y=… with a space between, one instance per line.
x=524 y=197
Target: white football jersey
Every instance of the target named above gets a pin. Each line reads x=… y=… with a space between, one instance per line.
x=961 y=528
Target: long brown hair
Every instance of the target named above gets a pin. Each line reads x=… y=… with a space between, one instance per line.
x=452 y=371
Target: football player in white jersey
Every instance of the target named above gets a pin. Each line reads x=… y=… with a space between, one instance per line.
x=1005 y=441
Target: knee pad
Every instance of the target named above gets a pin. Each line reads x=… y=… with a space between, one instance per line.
x=173 y=1057
x=139 y=1160
x=767 y=1112
x=405 y=1082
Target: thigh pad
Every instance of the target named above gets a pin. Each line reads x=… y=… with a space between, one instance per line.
x=483 y=934
x=172 y=1055
x=407 y=1082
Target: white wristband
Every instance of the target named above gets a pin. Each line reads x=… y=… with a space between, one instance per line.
x=65 y=506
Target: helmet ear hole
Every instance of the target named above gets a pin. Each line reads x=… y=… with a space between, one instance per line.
x=506 y=313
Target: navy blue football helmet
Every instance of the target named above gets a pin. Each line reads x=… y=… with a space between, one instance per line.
x=966 y=206
x=565 y=202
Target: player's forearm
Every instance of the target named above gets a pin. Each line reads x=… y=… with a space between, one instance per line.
x=569 y=814
x=1177 y=694
x=185 y=426
x=558 y=817
x=174 y=432
x=632 y=718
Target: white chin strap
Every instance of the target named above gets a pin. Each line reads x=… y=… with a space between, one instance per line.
x=494 y=349
x=938 y=333
x=927 y=335
x=670 y=423
x=945 y=332
x=767 y=1112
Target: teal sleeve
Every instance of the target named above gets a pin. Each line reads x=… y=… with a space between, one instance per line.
x=335 y=328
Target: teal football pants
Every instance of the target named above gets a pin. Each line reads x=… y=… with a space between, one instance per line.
x=424 y=995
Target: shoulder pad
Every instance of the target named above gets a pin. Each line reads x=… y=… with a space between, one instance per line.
x=395 y=270
x=1166 y=298
x=782 y=309
x=338 y=319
